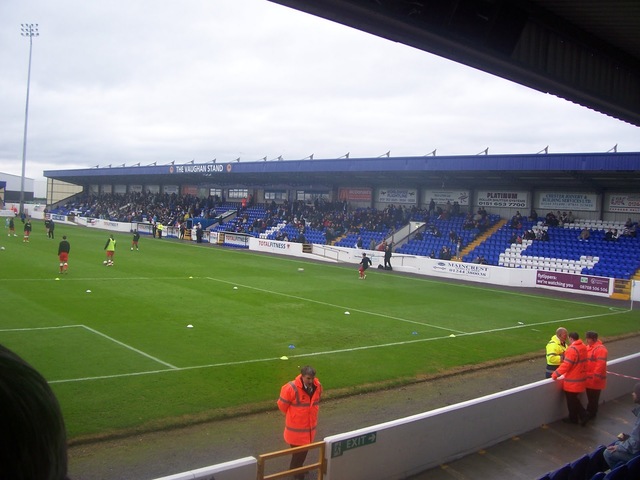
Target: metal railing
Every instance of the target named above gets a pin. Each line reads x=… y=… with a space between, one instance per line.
x=320 y=466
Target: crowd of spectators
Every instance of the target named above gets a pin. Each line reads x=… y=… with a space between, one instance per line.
x=334 y=219
x=168 y=209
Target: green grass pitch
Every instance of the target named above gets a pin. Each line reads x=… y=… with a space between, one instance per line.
x=121 y=359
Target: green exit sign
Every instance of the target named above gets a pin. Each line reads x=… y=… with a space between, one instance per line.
x=342 y=446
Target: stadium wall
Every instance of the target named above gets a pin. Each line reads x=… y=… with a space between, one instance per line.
x=407 y=446
x=411 y=445
x=451 y=270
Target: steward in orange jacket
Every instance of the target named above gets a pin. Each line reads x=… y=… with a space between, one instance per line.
x=597 y=355
x=573 y=370
x=300 y=409
x=300 y=402
x=574 y=366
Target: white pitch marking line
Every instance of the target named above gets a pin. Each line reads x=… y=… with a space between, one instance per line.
x=335 y=306
x=27 y=329
x=140 y=352
x=133 y=349
x=328 y=352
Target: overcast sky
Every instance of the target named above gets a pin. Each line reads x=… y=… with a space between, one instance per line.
x=158 y=81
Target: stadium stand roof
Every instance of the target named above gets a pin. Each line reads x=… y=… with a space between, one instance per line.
x=597 y=172
x=587 y=52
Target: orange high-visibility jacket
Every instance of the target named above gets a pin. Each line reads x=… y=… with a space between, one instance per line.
x=301 y=411
x=597 y=366
x=573 y=367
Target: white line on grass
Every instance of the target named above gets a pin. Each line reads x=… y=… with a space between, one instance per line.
x=27 y=329
x=92 y=330
x=310 y=300
x=328 y=352
x=133 y=349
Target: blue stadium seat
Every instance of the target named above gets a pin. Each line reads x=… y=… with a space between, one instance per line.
x=596 y=462
x=579 y=468
x=633 y=468
x=561 y=474
x=618 y=473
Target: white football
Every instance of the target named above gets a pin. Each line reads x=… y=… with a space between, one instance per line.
x=104 y=263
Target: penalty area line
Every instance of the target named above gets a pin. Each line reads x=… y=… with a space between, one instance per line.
x=133 y=349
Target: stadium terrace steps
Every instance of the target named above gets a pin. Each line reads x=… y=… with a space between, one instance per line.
x=481 y=238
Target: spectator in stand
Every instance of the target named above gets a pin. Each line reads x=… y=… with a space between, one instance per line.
x=596 y=371
x=628 y=445
x=608 y=237
x=551 y=220
x=468 y=223
x=564 y=218
x=629 y=231
x=585 y=234
x=542 y=235
x=533 y=216
x=516 y=220
x=434 y=231
x=570 y=217
x=611 y=235
x=445 y=253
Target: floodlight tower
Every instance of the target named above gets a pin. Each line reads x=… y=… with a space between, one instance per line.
x=28 y=30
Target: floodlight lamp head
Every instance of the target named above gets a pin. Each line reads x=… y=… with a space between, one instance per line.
x=29 y=30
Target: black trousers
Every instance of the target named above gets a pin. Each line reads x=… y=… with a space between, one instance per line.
x=297 y=460
x=593 y=398
x=577 y=413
